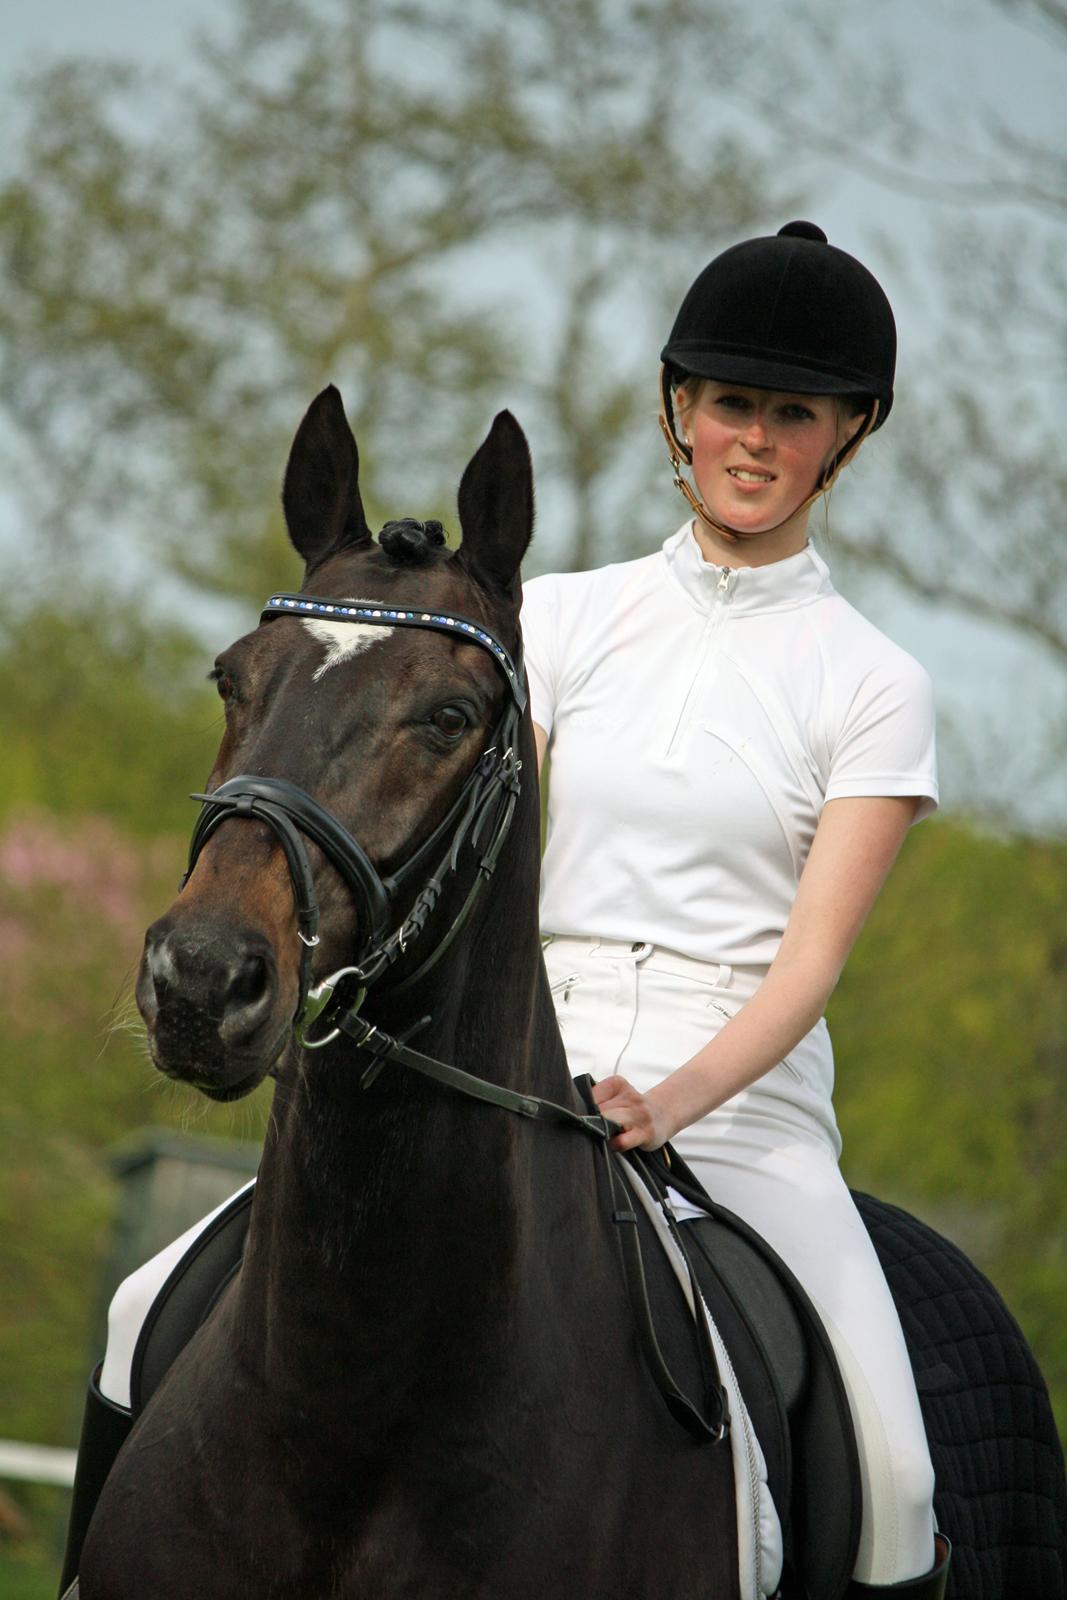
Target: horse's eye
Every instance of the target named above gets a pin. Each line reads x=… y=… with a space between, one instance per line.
x=450 y=720
x=223 y=683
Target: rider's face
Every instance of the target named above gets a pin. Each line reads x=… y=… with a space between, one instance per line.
x=758 y=453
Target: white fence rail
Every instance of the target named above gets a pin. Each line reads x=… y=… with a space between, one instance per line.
x=37 y=1463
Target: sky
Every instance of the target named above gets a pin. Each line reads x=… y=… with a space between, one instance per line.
x=962 y=54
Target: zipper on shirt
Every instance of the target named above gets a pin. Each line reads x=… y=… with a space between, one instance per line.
x=723 y=590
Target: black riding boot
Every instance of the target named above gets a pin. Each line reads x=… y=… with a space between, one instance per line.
x=929 y=1587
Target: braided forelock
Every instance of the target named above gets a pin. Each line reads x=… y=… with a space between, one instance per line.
x=410 y=543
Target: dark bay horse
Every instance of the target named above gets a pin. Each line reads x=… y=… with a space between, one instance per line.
x=424 y=1381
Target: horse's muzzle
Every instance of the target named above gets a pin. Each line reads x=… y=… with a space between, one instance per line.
x=212 y=1004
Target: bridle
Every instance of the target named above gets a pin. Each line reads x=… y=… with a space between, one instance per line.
x=485 y=808
x=482 y=811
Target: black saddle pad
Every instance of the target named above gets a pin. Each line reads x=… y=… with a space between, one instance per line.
x=187 y=1297
x=1001 y=1493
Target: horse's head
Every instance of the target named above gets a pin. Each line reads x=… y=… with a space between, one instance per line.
x=378 y=725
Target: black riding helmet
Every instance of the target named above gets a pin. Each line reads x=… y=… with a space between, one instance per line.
x=788 y=312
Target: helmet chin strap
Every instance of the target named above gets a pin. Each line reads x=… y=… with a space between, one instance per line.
x=681 y=455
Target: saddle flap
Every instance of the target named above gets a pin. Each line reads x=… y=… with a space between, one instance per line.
x=789 y=1376
x=187 y=1296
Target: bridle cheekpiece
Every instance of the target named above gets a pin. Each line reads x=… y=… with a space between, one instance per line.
x=483 y=810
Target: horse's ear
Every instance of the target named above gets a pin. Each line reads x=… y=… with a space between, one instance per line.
x=496 y=507
x=320 y=495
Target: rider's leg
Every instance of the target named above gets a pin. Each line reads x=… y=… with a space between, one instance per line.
x=770 y=1155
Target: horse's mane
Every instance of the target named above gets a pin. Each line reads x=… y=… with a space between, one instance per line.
x=409 y=543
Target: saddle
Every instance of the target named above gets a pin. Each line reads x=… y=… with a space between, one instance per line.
x=788 y=1374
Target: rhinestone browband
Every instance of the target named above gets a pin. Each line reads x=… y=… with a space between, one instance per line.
x=285 y=605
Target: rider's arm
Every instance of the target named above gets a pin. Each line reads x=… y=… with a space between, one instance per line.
x=855 y=844
x=541 y=740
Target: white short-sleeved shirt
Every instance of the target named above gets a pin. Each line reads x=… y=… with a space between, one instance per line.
x=699 y=719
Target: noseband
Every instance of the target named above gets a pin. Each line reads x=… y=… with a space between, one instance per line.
x=484 y=807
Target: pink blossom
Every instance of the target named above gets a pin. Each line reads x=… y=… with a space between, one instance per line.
x=85 y=858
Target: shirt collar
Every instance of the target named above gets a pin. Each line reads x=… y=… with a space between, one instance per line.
x=793 y=581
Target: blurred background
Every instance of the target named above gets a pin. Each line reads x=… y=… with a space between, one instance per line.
x=210 y=210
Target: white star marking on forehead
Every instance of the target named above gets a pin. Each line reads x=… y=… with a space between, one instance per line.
x=343 y=639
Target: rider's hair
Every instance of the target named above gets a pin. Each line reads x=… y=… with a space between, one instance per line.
x=410 y=543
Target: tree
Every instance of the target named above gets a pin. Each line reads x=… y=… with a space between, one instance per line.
x=950 y=1038
x=964 y=510
x=441 y=212
x=446 y=211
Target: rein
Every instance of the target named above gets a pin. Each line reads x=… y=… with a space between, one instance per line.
x=710 y=1429
x=485 y=807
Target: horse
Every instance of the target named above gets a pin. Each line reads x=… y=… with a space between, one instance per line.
x=428 y=1377
x=424 y=1381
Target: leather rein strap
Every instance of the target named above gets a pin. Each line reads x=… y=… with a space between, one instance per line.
x=708 y=1426
x=485 y=805
x=714 y=1427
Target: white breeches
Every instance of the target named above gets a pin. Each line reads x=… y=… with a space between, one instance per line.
x=770 y=1155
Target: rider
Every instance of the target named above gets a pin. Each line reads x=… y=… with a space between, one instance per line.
x=736 y=758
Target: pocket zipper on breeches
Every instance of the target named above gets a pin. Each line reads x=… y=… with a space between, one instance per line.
x=561 y=989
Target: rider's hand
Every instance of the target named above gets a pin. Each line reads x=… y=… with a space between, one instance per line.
x=643 y=1122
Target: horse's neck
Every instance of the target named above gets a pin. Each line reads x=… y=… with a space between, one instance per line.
x=392 y=1215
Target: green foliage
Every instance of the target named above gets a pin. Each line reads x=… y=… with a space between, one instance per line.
x=31 y=1571
x=950 y=1032
x=105 y=713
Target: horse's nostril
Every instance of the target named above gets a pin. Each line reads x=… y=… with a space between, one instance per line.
x=248 y=998
x=250 y=980
x=200 y=979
